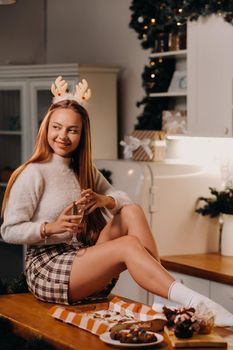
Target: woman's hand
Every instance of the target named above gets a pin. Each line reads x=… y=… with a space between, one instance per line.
x=66 y=222
x=95 y=200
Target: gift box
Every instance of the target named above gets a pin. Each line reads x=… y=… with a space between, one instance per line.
x=118 y=313
x=174 y=122
x=145 y=145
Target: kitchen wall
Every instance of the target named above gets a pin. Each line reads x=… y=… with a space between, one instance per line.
x=97 y=32
x=91 y=32
x=22 y=37
x=87 y=32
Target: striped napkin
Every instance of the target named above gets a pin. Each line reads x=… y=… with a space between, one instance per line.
x=101 y=321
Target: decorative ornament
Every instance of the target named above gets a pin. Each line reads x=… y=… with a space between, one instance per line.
x=82 y=93
x=133 y=144
x=169 y=15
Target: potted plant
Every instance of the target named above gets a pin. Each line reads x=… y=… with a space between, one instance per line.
x=220 y=204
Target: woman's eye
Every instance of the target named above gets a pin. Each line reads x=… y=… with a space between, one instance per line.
x=55 y=127
x=74 y=131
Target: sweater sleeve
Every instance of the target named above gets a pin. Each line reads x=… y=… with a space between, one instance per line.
x=104 y=187
x=18 y=226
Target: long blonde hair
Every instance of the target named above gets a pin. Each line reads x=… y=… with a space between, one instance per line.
x=81 y=163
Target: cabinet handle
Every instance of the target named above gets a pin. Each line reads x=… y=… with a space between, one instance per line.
x=226 y=131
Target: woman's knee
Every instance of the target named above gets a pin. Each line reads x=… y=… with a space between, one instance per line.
x=130 y=210
x=129 y=244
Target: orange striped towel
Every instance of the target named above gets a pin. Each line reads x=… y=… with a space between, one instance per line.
x=101 y=321
x=139 y=312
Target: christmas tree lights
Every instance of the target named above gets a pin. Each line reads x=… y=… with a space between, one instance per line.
x=161 y=26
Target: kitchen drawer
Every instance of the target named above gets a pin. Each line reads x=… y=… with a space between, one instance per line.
x=222 y=294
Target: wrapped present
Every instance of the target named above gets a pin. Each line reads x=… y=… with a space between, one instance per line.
x=174 y=122
x=118 y=313
x=145 y=145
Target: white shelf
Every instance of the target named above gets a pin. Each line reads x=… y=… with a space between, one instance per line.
x=169 y=54
x=10 y=133
x=168 y=94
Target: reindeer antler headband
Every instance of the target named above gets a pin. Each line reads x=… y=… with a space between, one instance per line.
x=59 y=89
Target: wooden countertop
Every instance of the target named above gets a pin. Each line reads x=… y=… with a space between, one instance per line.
x=30 y=317
x=211 y=266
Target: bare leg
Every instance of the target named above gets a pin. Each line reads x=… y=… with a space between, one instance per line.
x=132 y=221
x=95 y=266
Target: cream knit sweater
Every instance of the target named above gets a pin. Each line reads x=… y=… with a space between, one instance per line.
x=39 y=195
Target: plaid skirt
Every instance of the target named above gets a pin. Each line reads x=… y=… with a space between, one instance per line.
x=48 y=272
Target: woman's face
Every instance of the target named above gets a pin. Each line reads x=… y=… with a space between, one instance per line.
x=64 y=131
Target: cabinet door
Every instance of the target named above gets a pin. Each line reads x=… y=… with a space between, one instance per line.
x=222 y=294
x=14 y=129
x=210 y=72
x=14 y=132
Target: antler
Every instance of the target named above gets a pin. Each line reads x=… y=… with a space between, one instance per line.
x=83 y=93
x=59 y=90
x=59 y=87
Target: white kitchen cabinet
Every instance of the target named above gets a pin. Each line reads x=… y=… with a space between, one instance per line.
x=209 y=66
x=222 y=294
x=210 y=74
x=218 y=292
x=33 y=85
x=24 y=99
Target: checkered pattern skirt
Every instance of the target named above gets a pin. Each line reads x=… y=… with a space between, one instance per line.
x=48 y=272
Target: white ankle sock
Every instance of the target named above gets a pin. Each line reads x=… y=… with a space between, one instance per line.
x=188 y=297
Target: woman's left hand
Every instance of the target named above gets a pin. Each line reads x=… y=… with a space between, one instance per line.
x=95 y=200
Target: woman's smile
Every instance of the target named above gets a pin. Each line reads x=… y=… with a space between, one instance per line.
x=62 y=143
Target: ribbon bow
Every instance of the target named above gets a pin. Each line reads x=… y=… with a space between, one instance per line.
x=133 y=144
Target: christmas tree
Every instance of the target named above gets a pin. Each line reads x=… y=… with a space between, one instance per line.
x=157 y=23
x=153 y=19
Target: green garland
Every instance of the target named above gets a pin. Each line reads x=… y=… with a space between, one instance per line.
x=152 y=19
x=220 y=202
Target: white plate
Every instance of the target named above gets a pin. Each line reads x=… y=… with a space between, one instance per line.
x=105 y=337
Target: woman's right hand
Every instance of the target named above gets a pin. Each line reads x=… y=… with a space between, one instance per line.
x=66 y=222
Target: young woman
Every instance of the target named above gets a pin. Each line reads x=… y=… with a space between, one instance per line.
x=112 y=236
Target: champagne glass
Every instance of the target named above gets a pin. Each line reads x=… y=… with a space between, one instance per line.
x=77 y=209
